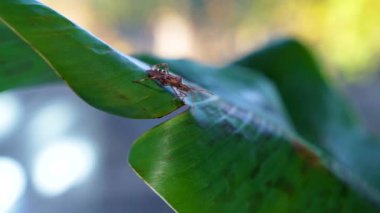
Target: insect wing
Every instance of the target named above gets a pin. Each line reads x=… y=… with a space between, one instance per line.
x=225 y=119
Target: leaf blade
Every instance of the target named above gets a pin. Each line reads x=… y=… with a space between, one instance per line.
x=19 y=65
x=324 y=118
x=100 y=75
x=199 y=174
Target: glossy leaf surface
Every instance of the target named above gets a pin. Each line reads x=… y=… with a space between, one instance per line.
x=186 y=139
x=19 y=65
x=194 y=172
x=320 y=114
x=99 y=74
x=261 y=164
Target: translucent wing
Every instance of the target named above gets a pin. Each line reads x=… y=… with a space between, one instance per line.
x=227 y=118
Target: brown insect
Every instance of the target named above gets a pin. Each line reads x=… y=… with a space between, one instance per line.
x=160 y=73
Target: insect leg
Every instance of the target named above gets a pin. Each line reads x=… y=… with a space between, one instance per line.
x=141 y=80
x=182 y=94
x=164 y=66
x=201 y=90
x=144 y=79
x=176 y=93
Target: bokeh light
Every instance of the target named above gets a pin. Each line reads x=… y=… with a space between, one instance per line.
x=51 y=121
x=173 y=35
x=62 y=165
x=12 y=183
x=344 y=32
x=10 y=111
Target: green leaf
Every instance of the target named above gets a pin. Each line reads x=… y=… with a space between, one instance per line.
x=19 y=65
x=320 y=114
x=100 y=75
x=309 y=99
x=261 y=164
x=196 y=170
x=238 y=86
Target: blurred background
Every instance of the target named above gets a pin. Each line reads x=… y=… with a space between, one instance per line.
x=57 y=154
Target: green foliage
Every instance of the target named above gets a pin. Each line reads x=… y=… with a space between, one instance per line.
x=304 y=91
x=320 y=114
x=194 y=172
x=293 y=143
x=19 y=64
x=100 y=75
